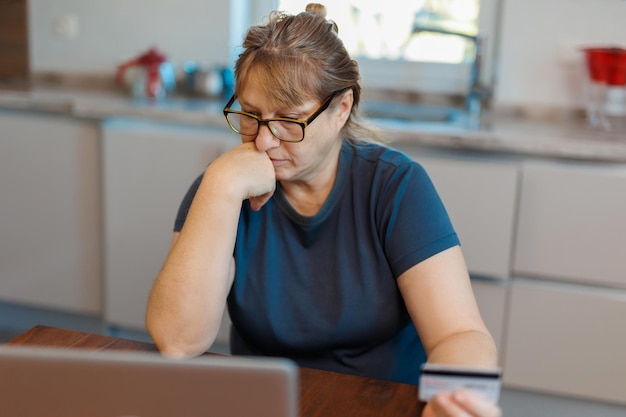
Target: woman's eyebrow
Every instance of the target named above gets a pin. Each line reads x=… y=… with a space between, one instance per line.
x=292 y=113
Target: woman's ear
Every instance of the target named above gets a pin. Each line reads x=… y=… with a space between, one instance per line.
x=344 y=108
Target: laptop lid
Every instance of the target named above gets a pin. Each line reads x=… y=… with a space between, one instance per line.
x=50 y=382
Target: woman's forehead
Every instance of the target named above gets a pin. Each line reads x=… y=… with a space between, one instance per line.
x=254 y=99
x=274 y=87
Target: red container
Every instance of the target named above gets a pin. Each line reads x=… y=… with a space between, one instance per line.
x=606 y=88
x=606 y=65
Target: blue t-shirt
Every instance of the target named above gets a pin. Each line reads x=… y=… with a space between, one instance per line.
x=322 y=290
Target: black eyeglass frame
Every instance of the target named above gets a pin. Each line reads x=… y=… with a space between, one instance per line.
x=303 y=123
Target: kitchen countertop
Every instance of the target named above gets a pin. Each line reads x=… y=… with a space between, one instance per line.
x=507 y=134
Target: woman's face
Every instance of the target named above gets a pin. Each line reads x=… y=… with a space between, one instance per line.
x=317 y=153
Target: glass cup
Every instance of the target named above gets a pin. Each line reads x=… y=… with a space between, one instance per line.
x=606 y=88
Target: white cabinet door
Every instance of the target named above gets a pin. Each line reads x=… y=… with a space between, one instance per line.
x=50 y=250
x=480 y=194
x=572 y=222
x=566 y=339
x=148 y=168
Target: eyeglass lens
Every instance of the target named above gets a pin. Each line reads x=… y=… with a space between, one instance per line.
x=283 y=130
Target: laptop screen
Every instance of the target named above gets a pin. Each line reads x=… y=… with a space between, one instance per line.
x=49 y=382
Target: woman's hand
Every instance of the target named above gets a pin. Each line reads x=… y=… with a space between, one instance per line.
x=461 y=404
x=246 y=173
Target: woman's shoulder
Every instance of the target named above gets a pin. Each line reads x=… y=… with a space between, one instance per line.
x=381 y=155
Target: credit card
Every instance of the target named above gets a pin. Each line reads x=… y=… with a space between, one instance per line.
x=436 y=378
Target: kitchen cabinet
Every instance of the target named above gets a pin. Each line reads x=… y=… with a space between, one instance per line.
x=564 y=333
x=572 y=222
x=148 y=168
x=479 y=191
x=557 y=222
x=50 y=238
x=566 y=339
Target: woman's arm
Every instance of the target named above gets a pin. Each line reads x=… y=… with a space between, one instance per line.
x=439 y=297
x=188 y=297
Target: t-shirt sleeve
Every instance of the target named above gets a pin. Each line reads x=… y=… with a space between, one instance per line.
x=183 y=209
x=415 y=222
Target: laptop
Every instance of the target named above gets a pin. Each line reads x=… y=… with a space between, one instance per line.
x=50 y=382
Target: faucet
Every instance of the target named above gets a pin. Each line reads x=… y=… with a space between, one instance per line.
x=477 y=91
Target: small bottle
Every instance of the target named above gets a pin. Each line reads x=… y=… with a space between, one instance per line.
x=615 y=108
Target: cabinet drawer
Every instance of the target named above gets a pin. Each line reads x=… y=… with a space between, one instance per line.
x=572 y=223
x=566 y=339
x=480 y=194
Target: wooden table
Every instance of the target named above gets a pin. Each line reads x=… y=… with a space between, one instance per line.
x=322 y=393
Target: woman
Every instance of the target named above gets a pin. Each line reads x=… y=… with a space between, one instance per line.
x=330 y=250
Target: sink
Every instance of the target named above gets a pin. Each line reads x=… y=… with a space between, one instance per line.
x=410 y=112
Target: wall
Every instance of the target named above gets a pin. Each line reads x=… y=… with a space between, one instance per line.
x=111 y=31
x=538 y=63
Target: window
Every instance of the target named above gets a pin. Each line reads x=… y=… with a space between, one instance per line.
x=375 y=29
x=391 y=57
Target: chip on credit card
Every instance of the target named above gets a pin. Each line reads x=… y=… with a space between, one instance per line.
x=436 y=378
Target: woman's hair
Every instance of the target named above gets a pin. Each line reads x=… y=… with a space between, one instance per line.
x=297 y=58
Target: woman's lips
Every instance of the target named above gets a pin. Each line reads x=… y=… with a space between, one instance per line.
x=278 y=162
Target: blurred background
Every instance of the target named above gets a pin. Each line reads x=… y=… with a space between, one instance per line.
x=110 y=109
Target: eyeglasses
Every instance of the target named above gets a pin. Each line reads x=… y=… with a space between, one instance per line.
x=282 y=128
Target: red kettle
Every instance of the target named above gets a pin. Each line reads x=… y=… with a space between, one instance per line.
x=155 y=77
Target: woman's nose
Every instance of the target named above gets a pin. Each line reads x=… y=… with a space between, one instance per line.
x=265 y=140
